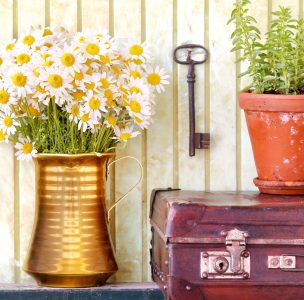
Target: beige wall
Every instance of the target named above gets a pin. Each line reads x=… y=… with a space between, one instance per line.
x=163 y=149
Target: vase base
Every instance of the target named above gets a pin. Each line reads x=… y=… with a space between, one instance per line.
x=71 y=281
x=279 y=187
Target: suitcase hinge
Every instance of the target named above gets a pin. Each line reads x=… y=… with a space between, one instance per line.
x=231 y=264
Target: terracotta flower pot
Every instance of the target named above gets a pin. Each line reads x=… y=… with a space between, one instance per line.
x=276 y=128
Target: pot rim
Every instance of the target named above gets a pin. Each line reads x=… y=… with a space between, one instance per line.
x=78 y=155
x=271 y=102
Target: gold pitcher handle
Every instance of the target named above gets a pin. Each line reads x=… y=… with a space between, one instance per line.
x=131 y=189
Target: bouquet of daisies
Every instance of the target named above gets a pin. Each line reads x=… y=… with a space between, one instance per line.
x=74 y=93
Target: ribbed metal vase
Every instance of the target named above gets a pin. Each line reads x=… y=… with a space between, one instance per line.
x=70 y=245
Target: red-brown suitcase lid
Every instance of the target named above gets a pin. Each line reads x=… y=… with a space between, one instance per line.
x=178 y=214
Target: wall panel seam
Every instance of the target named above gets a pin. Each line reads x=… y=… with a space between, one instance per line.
x=16 y=176
x=79 y=15
x=144 y=187
x=207 y=95
x=47 y=14
x=175 y=101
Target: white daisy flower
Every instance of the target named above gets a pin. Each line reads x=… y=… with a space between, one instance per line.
x=80 y=80
x=93 y=48
x=139 y=106
x=157 y=78
x=137 y=86
x=6 y=99
x=86 y=121
x=22 y=54
x=69 y=58
x=124 y=134
x=81 y=37
x=77 y=95
x=8 y=122
x=57 y=83
x=3 y=136
x=143 y=123
x=106 y=80
x=112 y=97
x=109 y=60
x=95 y=104
x=73 y=110
x=132 y=71
x=135 y=50
x=8 y=46
x=19 y=81
x=26 y=149
x=94 y=83
x=111 y=121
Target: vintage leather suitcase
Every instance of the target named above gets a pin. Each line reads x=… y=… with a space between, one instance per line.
x=227 y=246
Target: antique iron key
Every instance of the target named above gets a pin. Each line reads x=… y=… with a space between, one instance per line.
x=196 y=140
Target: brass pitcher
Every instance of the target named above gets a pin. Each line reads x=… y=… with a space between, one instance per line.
x=70 y=245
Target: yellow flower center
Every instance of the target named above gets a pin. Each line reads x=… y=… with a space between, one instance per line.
x=115 y=69
x=154 y=79
x=89 y=71
x=135 y=90
x=75 y=110
x=111 y=102
x=136 y=49
x=104 y=59
x=94 y=103
x=45 y=56
x=90 y=86
x=135 y=106
x=104 y=83
x=48 y=63
x=1 y=61
x=67 y=59
x=40 y=89
x=137 y=61
x=108 y=94
x=123 y=89
x=4 y=97
x=135 y=74
x=92 y=49
x=78 y=76
x=81 y=39
x=138 y=120
x=28 y=40
x=55 y=81
x=37 y=74
x=125 y=136
x=9 y=47
x=85 y=118
x=19 y=79
x=7 y=121
x=23 y=58
x=78 y=95
x=2 y=135
x=48 y=45
x=33 y=111
x=88 y=62
x=47 y=31
x=111 y=120
x=27 y=148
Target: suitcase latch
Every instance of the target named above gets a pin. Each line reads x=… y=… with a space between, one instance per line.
x=231 y=264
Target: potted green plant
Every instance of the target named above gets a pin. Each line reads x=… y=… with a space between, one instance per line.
x=274 y=102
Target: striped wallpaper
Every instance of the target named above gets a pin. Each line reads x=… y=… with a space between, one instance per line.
x=163 y=149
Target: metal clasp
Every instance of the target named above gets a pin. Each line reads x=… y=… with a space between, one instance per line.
x=231 y=264
x=236 y=245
